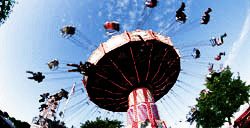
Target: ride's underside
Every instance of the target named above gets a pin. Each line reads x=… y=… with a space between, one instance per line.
x=129 y=61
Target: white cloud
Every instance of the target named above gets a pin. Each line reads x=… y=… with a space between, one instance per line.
x=156 y=18
x=127 y=27
x=169 y=10
x=188 y=4
x=89 y=16
x=132 y=14
x=126 y=1
x=160 y=24
x=99 y=13
x=237 y=44
x=122 y=3
x=168 y=2
x=109 y=15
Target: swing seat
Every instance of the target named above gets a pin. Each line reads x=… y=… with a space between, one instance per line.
x=213 y=42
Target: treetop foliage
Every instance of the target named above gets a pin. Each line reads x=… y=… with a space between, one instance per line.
x=5 y=9
x=17 y=123
x=98 y=123
x=223 y=97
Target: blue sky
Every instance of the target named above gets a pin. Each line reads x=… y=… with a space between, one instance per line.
x=31 y=37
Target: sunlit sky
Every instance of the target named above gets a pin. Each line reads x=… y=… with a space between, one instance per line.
x=30 y=38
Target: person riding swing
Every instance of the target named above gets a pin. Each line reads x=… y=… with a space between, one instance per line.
x=206 y=17
x=180 y=15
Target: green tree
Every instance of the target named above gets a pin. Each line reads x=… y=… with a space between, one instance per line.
x=102 y=123
x=5 y=9
x=226 y=94
x=19 y=123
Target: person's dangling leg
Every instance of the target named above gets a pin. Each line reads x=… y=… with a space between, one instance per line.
x=30 y=77
x=74 y=70
x=29 y=72
x=73 y=65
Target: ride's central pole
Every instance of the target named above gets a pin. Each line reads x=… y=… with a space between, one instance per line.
x=142 y=111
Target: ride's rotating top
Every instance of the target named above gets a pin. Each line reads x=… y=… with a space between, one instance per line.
x=132 y=60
